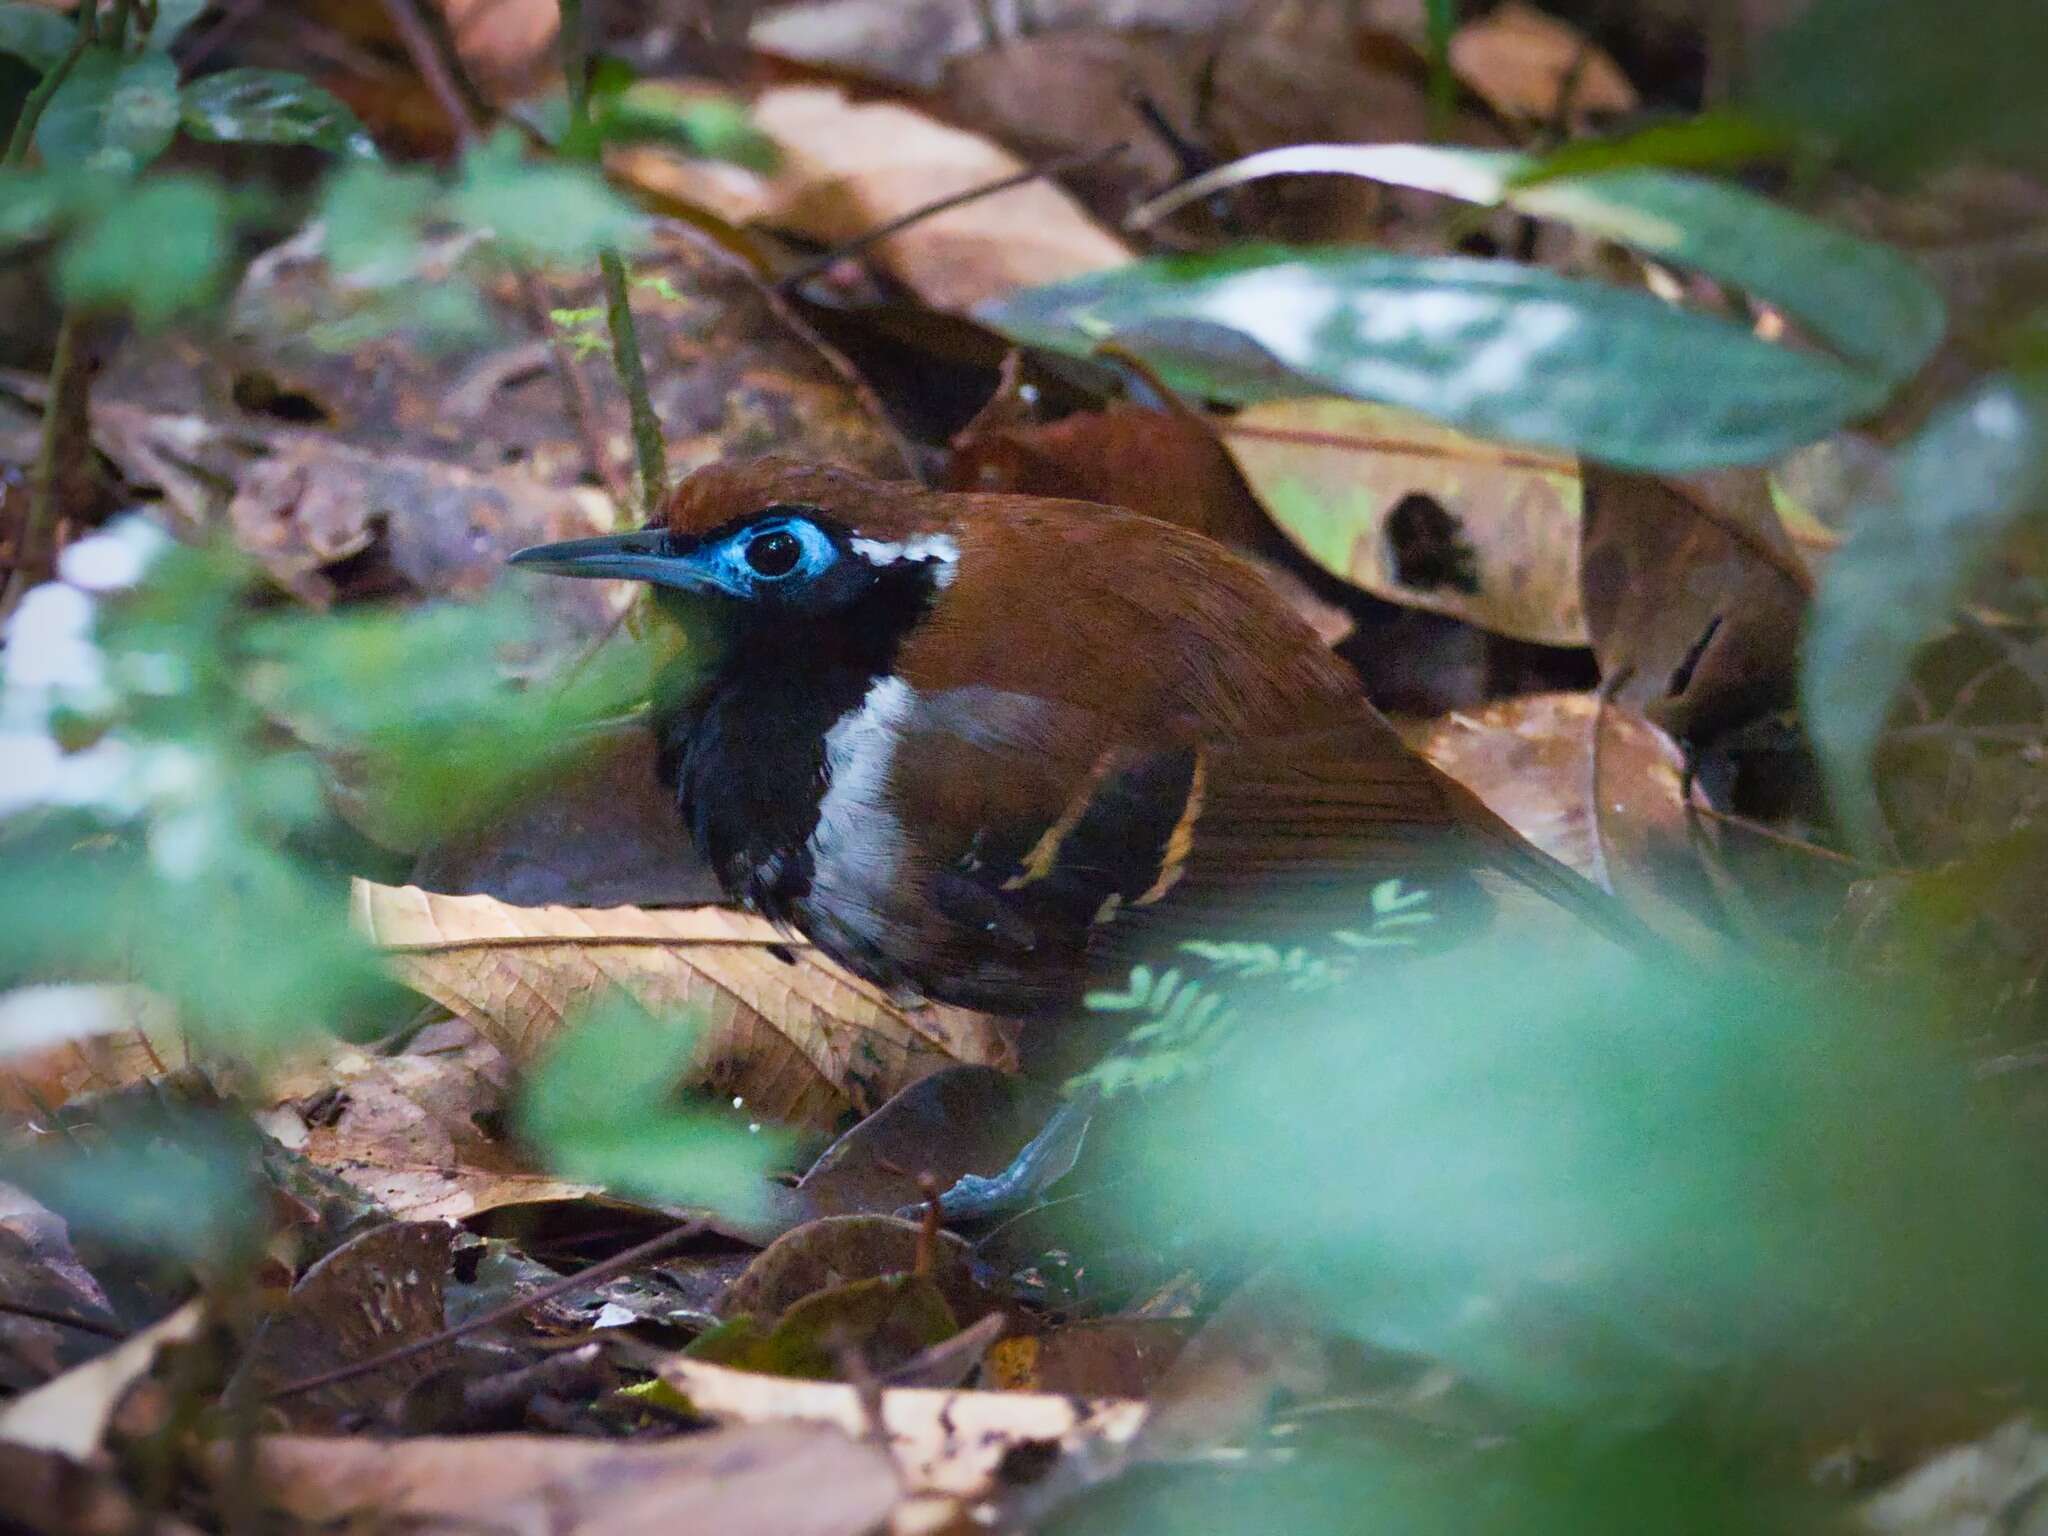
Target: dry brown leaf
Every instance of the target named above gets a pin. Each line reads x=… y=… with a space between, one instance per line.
x=1419 y=514
x=1591 y=784
x=944 y=1443
x=70 y=1414
x=766 y=1480
x=1529 y=65
x=801 y=1040
x=407 y=1130
x=849 y=167
x=1694 y=597
x=58 y=1042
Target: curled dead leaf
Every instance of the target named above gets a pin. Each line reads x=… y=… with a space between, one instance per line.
x=1529 y=65
x=800 y=1039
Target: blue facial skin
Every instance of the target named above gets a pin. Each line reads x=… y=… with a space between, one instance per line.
x=777 y=558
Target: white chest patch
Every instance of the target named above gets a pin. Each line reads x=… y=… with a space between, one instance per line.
x=940 y=549
x=858 y=842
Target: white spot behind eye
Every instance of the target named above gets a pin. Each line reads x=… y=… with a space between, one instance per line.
x=940 y=548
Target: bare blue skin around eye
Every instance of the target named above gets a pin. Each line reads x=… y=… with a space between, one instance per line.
x=724 y=565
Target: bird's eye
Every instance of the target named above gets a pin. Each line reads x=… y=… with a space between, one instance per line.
x=774 y=554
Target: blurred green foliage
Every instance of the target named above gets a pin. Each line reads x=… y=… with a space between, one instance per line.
x=603 y=1107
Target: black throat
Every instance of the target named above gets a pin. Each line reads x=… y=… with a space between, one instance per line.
x=743 y=748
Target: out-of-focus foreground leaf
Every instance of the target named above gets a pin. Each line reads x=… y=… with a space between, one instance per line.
x=1499 y=350
x=271 y=106
x=1615 y=1191
x=1913 y=545
x=1863 y=299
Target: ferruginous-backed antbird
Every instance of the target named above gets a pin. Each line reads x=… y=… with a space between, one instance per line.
x=991 y=749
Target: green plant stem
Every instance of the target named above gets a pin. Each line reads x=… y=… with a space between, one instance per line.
x=1442 y=20
x=648 y=448
x=66 y=438
x=117 y=24
x=647 y=442
x=39 y=98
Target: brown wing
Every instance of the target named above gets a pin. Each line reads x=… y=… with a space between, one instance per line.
x=1019 y=886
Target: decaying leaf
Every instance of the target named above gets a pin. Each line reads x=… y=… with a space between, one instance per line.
x=1532 y=66
x=766 y=1480
x=849 y=167
x=835 y=1249
x=949 y=1443
x=59 y=1042
x=378 y=1291
x=1693 y=596
x=406 y=1131
x=796 y=1037
x=1419 y=514
x=1101 y=1357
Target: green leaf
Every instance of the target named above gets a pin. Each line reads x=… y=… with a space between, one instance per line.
x=158 y=252
x=110 y=114
x=272 y=106
x=1902 y=86
x=1863 y=299
x=1911 y=551
x=1499 y=350
x=602 y=1107
x=372 y=217
x=543 y=211
x=34 y=33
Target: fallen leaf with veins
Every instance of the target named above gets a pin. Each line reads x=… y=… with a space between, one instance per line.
x=800 y=1040
x=1531 y=66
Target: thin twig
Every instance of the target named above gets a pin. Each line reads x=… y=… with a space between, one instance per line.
x=39 y=98
x=648 y=449
x=604 y=1269
x=1057 y=166
x=117 y=23
x=1699 y=807
x=1603 y=696
x=62 y=1319
x=436 y=71
x=66 y=440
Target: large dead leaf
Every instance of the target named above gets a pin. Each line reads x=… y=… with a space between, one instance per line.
x=795 y=1036
x=848 y=168
x=59 y=1042
x=1421 y=515
x=769 y=1480
x=945 y=1443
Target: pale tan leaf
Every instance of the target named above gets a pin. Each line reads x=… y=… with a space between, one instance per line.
x=71 y=1413
x=1419 y=514
x=1528 y=65
x=798 y=1038
x=947 y=1443
x=847 y=168
x=770 y=1480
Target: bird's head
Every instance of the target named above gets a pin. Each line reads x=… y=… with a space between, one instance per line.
x=769 y=544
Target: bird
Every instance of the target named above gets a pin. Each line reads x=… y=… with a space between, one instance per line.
x=991 y=749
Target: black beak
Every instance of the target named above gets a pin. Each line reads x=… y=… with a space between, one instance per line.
x=642 y=556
